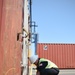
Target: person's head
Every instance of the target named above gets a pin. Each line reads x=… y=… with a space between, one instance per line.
x=34 y=59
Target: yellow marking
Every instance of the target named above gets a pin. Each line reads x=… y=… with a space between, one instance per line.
x=9 y=70
x=30 y=70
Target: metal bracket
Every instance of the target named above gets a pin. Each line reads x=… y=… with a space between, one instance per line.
x=23 y=36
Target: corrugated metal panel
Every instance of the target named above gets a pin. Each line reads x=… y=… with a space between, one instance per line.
x=1 y=52
x=10 y=25
x=61 y=54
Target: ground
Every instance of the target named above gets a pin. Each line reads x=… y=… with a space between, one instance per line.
x=67 y=72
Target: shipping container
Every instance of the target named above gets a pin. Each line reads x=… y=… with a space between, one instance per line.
x=61 y=54
x=11 y=20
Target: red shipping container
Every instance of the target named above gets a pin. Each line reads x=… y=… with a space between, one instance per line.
x=10 y=25
x=61 y=54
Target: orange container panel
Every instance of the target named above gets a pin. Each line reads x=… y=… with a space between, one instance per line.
x=10 y=25
x=61 y=54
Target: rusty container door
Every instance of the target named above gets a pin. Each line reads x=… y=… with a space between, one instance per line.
x=61 y=54
x=10 y=25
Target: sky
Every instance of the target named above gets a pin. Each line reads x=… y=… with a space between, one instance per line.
x=55 y=20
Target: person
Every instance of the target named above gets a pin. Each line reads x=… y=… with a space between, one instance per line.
x=44 y=66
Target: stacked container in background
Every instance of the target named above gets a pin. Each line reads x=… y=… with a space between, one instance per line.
x=61 y=54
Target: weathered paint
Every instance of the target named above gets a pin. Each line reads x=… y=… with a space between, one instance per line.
x=10 y=25
x=61 y=54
